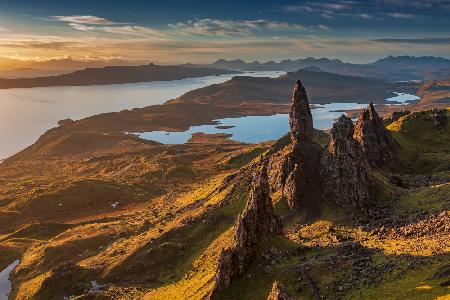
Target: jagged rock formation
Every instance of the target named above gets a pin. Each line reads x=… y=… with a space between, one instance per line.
x=278 y=169
x=300 y=117
x=257 y=220
x=345 y=169
x=291 y=188
x=375 y=140
x=303 y=185
x=278 y=292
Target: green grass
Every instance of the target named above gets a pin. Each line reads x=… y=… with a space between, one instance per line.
x=431 y=199
x=423 y=148
x=244 y=158
x=421 y=283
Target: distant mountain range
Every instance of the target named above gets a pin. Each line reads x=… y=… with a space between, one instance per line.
x=62 y=64
x=114 y=75
x=56 y=71
x=15 y=68
x=390 y=68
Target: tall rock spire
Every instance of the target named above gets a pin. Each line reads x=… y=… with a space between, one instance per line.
x=300 y=118
x=303 y=187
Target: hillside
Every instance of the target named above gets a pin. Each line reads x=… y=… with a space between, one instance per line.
x=324 y=87
x=91 y=213
x=113 y=75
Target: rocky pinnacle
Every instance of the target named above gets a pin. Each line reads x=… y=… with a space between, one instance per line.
x=375 y=140
x=300 y=118
x=303 y=187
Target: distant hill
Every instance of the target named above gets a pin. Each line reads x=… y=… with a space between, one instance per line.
x=390 y=68
x=113 y=75
x=323 y=87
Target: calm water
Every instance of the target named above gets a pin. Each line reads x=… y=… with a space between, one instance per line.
x=254 y=129
x=5 y=284
x=25 y=114
x=402 y=98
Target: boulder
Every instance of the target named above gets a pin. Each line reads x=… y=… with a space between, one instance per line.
x=278 y=292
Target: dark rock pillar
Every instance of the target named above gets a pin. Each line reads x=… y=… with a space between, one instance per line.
x=300 y=118
x=303 y=185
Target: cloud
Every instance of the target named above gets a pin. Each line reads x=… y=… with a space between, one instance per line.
x=82 y=27
x=297 y=8
x=399 y=15
x=3 y=29
x=82 y=20
x=236 y=27
x=323 y=27
x=124 y=30
x=322 y=7
x=431 y=41
x=188 y=50
x=429 y=4
x=62 y=45
x=364 y=16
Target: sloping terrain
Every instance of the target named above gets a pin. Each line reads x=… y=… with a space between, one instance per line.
x=125 y=219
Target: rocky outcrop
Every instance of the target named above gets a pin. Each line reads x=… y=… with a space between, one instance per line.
x=257 y=220
x=278 y=292
x=300 y=117
x=291 y=189
x=279 y=168
x=303 y=184
x=375 y=140
x=397 y=115
x=440 y=118
x=345 y=169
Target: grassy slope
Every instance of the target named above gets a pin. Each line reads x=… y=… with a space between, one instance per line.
x=168 y=249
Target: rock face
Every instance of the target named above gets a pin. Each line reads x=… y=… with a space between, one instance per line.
x=375 y=140
x=256 y=221
x=345 y=170
x=278 y=169
x=303 y=185
x=278 y=292
x=300 y=118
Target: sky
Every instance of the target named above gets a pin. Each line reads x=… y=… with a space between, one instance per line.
x=182 y=31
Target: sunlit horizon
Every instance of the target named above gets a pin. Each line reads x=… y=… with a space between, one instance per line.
x=347 y=30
